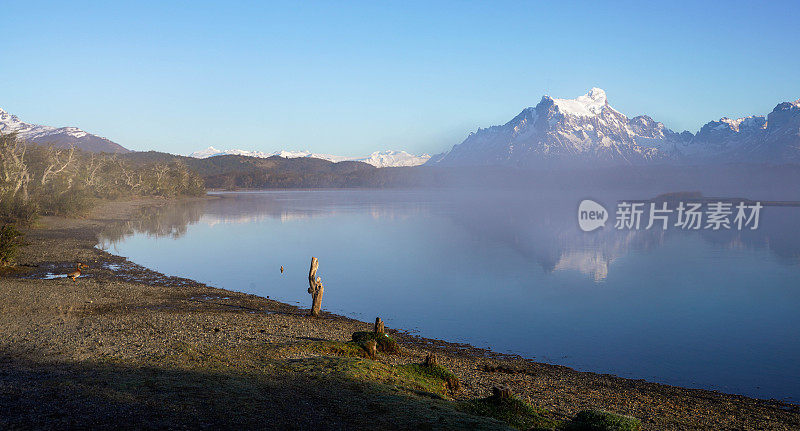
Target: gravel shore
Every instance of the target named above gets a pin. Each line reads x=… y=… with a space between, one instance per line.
x=124 y=346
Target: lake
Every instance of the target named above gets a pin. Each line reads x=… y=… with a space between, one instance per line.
x=510 y=271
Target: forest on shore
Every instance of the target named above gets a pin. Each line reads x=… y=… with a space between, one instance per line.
x=37 y=179
x=233 y=172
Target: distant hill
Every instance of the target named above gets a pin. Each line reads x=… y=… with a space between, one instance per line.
x=379 y=159
x=242 y=172
x=245 y=172
x=62 y=137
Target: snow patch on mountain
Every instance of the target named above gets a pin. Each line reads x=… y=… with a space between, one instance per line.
x=385 y=159
x=57 y=136
x=588 y=105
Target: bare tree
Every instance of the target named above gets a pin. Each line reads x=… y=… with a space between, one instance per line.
x=56 y=162
x=131 y=178
x=315 y=288
x=14 y=170
x=91 y=168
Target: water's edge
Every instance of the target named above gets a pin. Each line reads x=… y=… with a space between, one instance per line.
x=404 y=334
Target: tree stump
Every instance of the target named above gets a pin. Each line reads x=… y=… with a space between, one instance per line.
x=379 y=327
x=430 y=360
x=315 y=288
x=501 y=392
x=372 y=348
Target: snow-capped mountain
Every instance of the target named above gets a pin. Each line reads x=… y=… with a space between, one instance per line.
x=386 y=159
x=588 y=129
x=773 y=139
x=211 y=152
x=380 y=159
x=565 y=130
x=727 y=139
x=57 y=136
x=782 y=140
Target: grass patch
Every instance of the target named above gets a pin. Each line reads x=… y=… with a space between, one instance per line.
x=435 y=371
x=329 y=356
x=385 y=343
x=598 y=420
x=512 y=411
x=403 y=377
x=324 y=348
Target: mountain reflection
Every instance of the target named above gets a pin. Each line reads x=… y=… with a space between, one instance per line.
x=541 y=228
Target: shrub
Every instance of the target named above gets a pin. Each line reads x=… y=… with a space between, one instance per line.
x=385 y=343
x=598 y=420
x=512 y=411
x=436 y=371
x=10 y=240
x=69 y=203
x=16 y=210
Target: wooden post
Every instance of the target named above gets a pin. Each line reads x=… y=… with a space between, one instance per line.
x=379 y=327
x=315 y=288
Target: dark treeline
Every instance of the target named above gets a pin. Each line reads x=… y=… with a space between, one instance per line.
x=369 y=177
x=231 y=172
x=46 y=180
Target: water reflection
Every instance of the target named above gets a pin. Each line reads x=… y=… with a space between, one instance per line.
x=693 y=308
x=539 y=228
x=162 y=221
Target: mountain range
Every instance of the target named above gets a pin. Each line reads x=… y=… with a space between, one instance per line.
x=62 y=137
x=587 y=130
x=555 y=132
x=379 y=159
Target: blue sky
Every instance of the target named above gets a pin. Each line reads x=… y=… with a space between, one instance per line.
x=354 y=77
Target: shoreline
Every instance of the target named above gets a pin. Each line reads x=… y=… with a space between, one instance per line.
x=56 y=243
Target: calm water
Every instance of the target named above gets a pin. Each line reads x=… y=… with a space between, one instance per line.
x=510 y=271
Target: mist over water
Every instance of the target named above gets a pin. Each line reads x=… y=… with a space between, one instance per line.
x=508 y=268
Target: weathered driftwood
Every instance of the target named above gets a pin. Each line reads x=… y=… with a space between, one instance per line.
x=372 y=348
x=315 y=288
x=501 y=392
x=379 y=327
